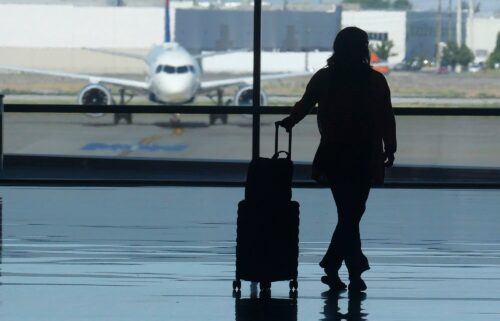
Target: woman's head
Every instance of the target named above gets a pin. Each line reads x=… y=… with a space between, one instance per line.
x=350 y=49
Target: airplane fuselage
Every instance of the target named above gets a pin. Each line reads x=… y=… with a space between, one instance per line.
x=174 y=74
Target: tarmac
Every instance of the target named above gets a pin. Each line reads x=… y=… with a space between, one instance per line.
x=168 y=254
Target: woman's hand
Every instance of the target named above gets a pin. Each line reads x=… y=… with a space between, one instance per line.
x=389 y=159
x=286 y=123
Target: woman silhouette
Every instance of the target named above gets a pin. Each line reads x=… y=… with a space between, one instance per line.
x=358 y=137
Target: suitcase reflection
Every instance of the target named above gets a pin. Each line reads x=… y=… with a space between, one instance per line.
x=265 y=309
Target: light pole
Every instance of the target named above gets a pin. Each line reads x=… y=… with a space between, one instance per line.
x=438 y=36
x=459 y=23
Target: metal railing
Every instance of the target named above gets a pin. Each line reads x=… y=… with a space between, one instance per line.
x=210 y=109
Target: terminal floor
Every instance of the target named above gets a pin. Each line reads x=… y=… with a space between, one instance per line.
x=168 y=254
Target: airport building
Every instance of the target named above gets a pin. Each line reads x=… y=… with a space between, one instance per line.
x=412 y=33
x=201 y=29
x=482 y=35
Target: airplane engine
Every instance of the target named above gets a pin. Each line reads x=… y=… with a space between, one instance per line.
x=95 y=95
x=244 y=97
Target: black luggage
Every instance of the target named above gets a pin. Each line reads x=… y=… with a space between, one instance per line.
x=270 y=179
x=267 y=237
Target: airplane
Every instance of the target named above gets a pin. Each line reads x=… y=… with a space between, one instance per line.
x=174 y=78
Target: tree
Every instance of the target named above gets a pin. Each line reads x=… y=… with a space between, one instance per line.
x=454 y=55
x=402 y=5
x=494 y=57
x=464 y=56
x=450 y=55
x=383 y=49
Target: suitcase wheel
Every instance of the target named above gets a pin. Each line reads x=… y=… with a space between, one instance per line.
x=294 y=285
x=265 y=286
x=236 y=285
x=237 y=294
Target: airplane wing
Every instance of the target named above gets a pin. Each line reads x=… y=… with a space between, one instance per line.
x=248 y=80
x=117 y=53
x=131 y=84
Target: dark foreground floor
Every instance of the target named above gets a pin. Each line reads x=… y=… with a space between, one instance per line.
x=168 y=254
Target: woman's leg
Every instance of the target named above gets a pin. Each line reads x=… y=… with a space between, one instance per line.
x=332 y=261
x=350 y=197
x=355 y=260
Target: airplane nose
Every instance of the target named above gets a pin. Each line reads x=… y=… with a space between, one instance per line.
x=174 y=88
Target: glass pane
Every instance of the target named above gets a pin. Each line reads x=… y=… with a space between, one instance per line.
x=128 y=45
x=169 y=69
x=463 y=141
x=182 y=69
x=149 y=136
x=428 y=57
x=133 y=48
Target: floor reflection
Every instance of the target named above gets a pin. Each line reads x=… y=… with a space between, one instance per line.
x=1 y=237
x=331 y=310
x=265 y=308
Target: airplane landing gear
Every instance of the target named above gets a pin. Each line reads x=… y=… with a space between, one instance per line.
x=126 y=116
x=175 y=121
x=220 y=102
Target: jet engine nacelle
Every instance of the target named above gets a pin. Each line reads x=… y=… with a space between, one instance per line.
x=244 y=97
x=95 y=95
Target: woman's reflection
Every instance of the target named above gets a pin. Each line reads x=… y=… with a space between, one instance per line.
x=332 y=312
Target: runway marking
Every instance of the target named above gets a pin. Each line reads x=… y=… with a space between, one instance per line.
x=145 y=144
x=145 y=141
x=178 y=131
x=150 y=139
x=135 y=147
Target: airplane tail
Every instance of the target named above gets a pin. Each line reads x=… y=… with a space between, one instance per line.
x=168 y=37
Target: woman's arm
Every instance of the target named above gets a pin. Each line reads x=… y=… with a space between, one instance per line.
x=304 y=105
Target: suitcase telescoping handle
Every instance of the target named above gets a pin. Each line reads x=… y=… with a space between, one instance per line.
x=276 y=153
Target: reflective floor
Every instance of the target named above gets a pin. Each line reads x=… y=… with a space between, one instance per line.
x=168 y=254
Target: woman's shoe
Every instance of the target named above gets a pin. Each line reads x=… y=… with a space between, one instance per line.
x=334 y=283
x=357 y=285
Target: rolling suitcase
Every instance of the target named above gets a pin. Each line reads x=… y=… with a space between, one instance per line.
x=267 y=236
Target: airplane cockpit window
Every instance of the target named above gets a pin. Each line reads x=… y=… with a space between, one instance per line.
x=158 y=69
x=169 y=69
x=182 y=69
x=191 y=68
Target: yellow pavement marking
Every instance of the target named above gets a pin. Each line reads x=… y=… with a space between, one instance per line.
x=145 y=141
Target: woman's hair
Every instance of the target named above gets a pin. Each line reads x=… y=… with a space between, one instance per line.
x=350 y=51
